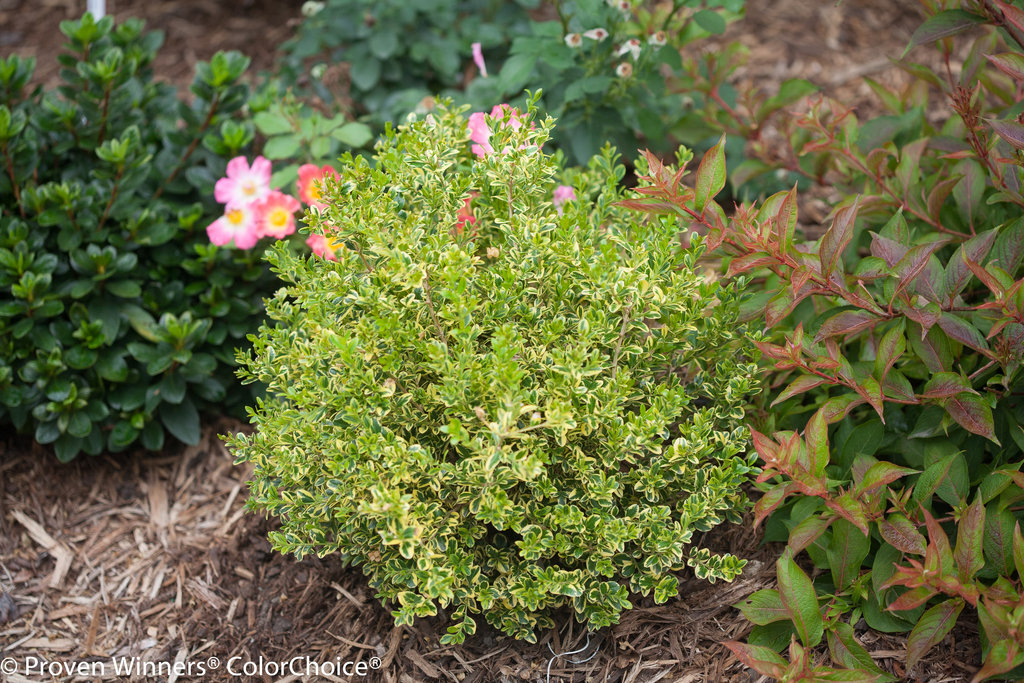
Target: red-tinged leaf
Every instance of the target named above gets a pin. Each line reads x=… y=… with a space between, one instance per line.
x=850 y=509
x=710 y=176
x=969 y=551
x=930 y=283
x=1012 y=14
x=771 y=499
x=897 y=386
x=816 y=438
x=799 y=278
x=994 y=618
x=766 y=447
x=798 y=386
x=938 y=552
x=1011 y=131
x=911 y=265
x=647 y=207
x=763 y=607
x=912 y=599
x=986 y=278
x=973 y=414
x=748 y=261
x=763 y=660
x=957 y=272
x=943 y=25
x=1018 y=550
x=931 y=628
x=882 y=474
x=933 y=350
x=902 y=534
x=888 y=250
x=838 y=407
x=846 y=323
x=800 y=599
x=926 y=316
x=1004 y=655
x=773 y=351
x=946 y=384
x=1010 y=63
x=937 y=197
x=845 y=650
x=1009 y=247
x=890 y=348
x=785 y=221
x=836 y=239
x=779 y=307
x=808 y=531
x=872 y=392
x=846 y=553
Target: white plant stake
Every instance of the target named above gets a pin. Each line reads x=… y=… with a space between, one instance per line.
x=97 y=8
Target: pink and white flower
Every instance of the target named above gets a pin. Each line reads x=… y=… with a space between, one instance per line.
x=321 y=246
x=562 y=194
x=597 y=34
x=631 y=46
x=242 y=183
x=480 y=132
x=478 y=59
x=240 y=224
x=277 y=214
x=624 y=70
x=310 y=183
x=657 y=39
x=573 y=39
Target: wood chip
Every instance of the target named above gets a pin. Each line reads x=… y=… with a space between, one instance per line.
x=59 y=551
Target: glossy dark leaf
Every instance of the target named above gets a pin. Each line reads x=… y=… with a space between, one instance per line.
x=846 y=323
x=932 y=628
x=973 y=414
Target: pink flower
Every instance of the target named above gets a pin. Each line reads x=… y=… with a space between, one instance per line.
x=465 y=215
x=563 y=194
x=478 y=59
x=321 y=246
x=276 y=214
x=480 y=132
x=238 y=223
x=243 y=184
x=310 y=183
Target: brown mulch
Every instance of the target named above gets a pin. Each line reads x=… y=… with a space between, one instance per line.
x=155 y=557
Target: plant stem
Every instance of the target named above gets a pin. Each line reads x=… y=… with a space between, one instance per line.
x=191 y=147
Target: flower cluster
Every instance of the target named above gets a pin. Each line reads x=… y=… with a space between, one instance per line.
x=253 y=210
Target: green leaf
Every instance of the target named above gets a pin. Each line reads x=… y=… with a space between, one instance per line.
x=67 y=447
x=846 y=553
x=973 y=414
x=516 y=71
x=942 y=25
x=365 y=73
x=282 y=147
x=126 y=289
x=181 y=420
x=763 y=607
x=799 y=598
x=760 y=659
x=845 y=650
x=969 y=551
x=836 y=239
x=902 y=534
x=710 y=21
x=710 y=175
x=270 y=124
x=353 y=134
x=931 y=628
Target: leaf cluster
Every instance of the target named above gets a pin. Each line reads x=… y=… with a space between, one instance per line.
x=896 y=349
x=537 y=409
x=118 y=319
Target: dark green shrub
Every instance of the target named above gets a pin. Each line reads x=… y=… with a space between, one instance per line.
x=603 y=65
x=118 y=318
x=892 y=453
x=503 y=409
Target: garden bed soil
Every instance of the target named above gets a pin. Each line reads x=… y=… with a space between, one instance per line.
x=155 y=556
